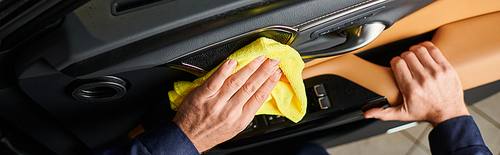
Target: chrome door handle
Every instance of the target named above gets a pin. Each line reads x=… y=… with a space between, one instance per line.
x=357 y=37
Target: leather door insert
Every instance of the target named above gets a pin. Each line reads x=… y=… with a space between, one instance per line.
x=429 y=18
x=470 y=45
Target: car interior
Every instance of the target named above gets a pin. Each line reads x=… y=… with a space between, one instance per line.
x=79 y=76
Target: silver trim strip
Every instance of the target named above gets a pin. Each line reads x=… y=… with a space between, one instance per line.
x=337 y=14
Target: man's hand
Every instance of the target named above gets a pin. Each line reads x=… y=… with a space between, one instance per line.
x=225 y=104
x=430 y=87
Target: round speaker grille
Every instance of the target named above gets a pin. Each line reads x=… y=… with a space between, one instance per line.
x=101 y=89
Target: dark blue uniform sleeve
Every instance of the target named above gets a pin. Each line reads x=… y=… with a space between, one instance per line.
x=458 y=135
x=165 y=138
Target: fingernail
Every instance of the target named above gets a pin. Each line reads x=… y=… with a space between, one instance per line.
x=275 y=62
x=369 y=116
x=231 y=62
x=260 y=58
x=278 y=71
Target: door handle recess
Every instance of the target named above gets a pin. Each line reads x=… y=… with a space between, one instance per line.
x=357 y=37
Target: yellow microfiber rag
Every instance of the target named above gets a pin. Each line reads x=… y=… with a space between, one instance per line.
x=287 y=99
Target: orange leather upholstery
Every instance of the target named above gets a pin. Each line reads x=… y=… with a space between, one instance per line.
x=472 y=47
x=429 y=18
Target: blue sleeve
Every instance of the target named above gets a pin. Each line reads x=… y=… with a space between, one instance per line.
x=458 y=135
x=165 y=138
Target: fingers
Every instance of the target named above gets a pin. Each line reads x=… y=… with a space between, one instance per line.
x=425 y=58
x=427 y=93
x=413 y=64
x=214 y=82
x=387 y=114
x=254 y=83
x=259 y=97
x=235 y=81
x=435 y=53
x=401 y=72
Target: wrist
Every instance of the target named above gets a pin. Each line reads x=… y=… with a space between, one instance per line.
x=189 y=135
x=438 y=119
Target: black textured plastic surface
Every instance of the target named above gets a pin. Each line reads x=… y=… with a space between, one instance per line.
x=174 y=32
x=38 y=123
x=30 y=20
x=213 y=56
x=342 y=93
x=97 y=43
x=14 y=10
x=477 y=94
x=328 y=137
x=104 y=124
x=209 y=59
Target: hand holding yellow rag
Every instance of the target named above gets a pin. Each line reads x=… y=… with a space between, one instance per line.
x=287 y=99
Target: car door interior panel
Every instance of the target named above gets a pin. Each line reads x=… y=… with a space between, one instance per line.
x=77 y=77
x=427 y=19
x=153 y=42
x=23 y=22
x=472 y=58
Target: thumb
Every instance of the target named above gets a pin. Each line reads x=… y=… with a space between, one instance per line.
x=391 y=113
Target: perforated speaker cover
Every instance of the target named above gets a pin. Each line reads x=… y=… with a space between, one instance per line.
x=208 y=58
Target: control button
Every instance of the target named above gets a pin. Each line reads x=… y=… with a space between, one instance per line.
x=319 y=89
x=274 y=119
x=324 y=103
x=255 y=126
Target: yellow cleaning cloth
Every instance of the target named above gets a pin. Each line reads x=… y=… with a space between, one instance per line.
x=287 y=99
